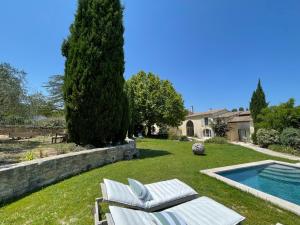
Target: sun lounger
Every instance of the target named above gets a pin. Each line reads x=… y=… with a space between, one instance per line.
x=163 y=195
x=200 y=211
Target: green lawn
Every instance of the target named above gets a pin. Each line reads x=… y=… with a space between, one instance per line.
x=71 y=201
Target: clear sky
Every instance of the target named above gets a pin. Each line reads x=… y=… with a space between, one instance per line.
x=213 y=51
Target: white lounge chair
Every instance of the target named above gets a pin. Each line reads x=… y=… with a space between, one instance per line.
x=200 y=211
x=164 y=194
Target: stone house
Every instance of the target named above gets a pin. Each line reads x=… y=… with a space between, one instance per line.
x=198 y=125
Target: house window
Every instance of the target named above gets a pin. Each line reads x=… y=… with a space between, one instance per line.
x=206 y=121
x=207 y=133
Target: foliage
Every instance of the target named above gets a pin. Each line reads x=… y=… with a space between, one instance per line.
x=284 y=149
x=216 y=140
x=95 y=101
x=17 y=106
x=38 y=105
x=280 y=117
x=241 y=109
x=52 y=122
x=12 y=90
x=258 y=102
x=266 y=137
x=29 y=156
x=153 y=100
x=54 y=87
x=219 y=127
x=160 y=160
x=183 y=138
x=290 y=137
x=234 y=110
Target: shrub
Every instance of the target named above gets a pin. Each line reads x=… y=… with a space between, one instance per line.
x=183 y=138
x=290 y=137
x=216 y=140
x=267 y=137
x=219 y=127
x=29 y=156
x=284 y=149
x=55 y=122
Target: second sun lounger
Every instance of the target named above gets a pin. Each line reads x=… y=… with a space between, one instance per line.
x=200 y=211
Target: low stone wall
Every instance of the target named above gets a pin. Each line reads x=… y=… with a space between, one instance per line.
x=18 y=179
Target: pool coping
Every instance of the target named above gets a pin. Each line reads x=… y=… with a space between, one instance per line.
x=289 y=206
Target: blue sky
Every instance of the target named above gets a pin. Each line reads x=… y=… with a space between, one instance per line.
x=213 y=51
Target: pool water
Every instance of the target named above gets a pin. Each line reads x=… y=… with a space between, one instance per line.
x=275 y=179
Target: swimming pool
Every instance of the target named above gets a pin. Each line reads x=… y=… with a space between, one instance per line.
x=274 y=181
x=279 y=180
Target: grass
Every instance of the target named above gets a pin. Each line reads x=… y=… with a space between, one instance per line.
x=71 y=201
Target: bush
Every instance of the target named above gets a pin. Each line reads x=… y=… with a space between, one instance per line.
x=29 y=156
x=55 y=122
x=284 y=149
x=290 y=137
x=267 y=137
x=220 y=127
x=183 y=138
x=216 y=140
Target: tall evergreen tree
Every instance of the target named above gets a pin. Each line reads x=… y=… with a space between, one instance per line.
x=95 y=100
x=258 y=102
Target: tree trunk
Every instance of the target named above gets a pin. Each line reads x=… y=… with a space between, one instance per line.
x=148 y=130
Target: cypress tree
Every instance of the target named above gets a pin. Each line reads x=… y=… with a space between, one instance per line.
x=95 y=102
x=258 y=102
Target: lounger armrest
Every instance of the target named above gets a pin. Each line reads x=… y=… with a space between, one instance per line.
x=103 y=191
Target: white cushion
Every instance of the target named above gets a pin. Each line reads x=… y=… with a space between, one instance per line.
x=139 y=190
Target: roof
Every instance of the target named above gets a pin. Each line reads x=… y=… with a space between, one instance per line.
x=238 y=119
x=246 y=113
x=229 y=114
x=210 y=112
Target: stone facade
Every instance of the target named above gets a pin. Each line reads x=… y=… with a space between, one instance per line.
x=18 y=179
x=198 y=125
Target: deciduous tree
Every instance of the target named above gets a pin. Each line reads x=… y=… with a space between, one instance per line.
x=153 y=101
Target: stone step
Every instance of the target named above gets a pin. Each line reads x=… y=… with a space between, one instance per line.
x=282 y=179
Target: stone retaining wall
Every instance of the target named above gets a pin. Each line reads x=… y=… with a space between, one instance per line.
x=20 y=178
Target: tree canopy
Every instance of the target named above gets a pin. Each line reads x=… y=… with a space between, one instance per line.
x=95 y=101
x=12 y=90
x=280 y=117
x=153 y=101
x=54 y=87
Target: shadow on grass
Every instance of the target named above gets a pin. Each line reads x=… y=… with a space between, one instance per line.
x=150 y=153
